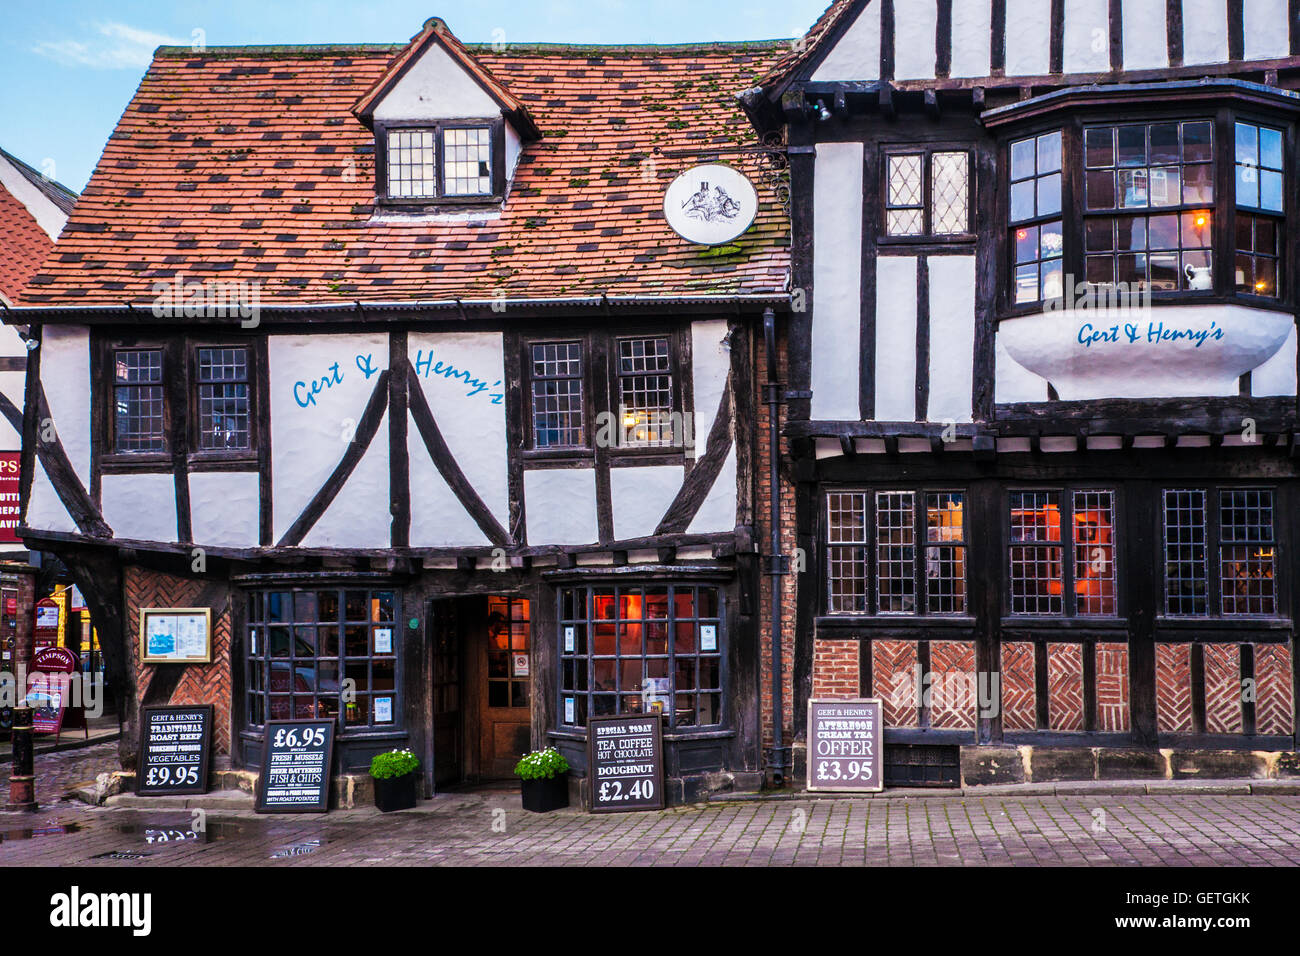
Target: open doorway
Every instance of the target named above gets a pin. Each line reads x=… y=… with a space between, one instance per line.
x=481 y=687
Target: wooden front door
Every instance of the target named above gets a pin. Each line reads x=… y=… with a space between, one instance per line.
x=503 y=685
x=448 y=723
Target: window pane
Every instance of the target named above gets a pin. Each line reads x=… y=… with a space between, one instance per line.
x=1198 y=142
x=1166 y=187
x=138 y=398
x=905 y=180
x=1132 y=145
x=1022 y=159
x=1270 y=190
x=949 y=187
x=895 y=553
x=1022 y=200
x=410 y=162
x=945 y=567
x=846 y=555
x=1247 y=552
x=645 y=393
x=467 y=161
x=1185 y=543
x=1099 y=147
x=1101 y=189
x=1049 y=195
x=1049 y=153
x=1247 y=144
x=1270 y=148
x=1094 y=550
x=1164 y=144
x=223 y=398
x=557 y=395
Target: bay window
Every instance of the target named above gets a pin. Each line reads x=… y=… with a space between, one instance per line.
x=1187 y=205
x=639 y=650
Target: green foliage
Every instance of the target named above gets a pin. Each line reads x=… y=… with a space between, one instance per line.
x=396 y=763
x=542 y=764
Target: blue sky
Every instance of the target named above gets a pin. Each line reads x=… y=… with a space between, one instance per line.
x=68 y=68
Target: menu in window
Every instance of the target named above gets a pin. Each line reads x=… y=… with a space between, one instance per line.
x=845 y=745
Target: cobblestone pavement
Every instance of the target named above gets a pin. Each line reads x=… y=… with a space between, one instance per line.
x=490 y=829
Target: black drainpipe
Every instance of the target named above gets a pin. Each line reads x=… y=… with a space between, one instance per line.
x=776 y=561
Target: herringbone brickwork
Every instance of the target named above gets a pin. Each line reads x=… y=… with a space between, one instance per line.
x=1222 y=688
x=893 y=679
x=200 y=683
x=953 y=692
x=835 y=669
x=1274 y=700
x=1019 y=701
x=1112 y=688
x=1065 y=686
x=1174 y=688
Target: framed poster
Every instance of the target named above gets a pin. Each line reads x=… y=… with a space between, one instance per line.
x=175 y=635
x=846 y=745
x=297 y=757
x=174 y=745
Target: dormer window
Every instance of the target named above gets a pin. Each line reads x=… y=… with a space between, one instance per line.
x=441 y=163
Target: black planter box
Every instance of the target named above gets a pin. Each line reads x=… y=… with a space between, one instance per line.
x=545 y=794
x=396 y=793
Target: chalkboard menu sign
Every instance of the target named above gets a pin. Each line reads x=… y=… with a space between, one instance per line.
x=625 y=763
x=174 y=745
x=845 y=745
x=296 y=764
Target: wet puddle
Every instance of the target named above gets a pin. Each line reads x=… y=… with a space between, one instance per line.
x=29 y=833
x=161 y=835
x=296 y=849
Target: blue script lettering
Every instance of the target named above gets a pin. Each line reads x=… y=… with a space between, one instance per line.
x=367 y=366
x=426 y=366
x=1088 y=335
x=305 y=394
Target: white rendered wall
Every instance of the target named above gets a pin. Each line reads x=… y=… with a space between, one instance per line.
x=436 y=87
x=308 y=442
x=971 y=37
x=857 y=55
x=462 y=376
x=1266 y=35
x=141 y=507
x=65 y=376
x=47 y=215
x=718 y=511
x=952 y=337
x=45 y=510
x=1205 y=31
x=896 y=338
x=1277 y=376
x=1086 y=38
x=640 y=496
x=837 y=281
x=1029 y=37
x=561 y=505
x=1146 y=45
x=915 y=24
x=224 y=509
x=359 y=515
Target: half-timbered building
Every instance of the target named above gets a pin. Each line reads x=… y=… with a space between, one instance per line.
x=1042 y=402
x=387 y=357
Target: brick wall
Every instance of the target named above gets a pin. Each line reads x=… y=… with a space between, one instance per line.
x=835 y=669
x=199 y=683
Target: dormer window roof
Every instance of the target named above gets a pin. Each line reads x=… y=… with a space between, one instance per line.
x=447 y=132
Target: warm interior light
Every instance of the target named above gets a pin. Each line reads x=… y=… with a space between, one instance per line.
x=1261 y=286
x=1201 y=221
x=1022 y=234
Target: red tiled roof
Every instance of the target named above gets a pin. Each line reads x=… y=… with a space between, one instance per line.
x=801 y=51
x=248 y=164
x=23 y=245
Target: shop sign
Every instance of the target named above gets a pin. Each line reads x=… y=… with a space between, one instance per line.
x=710 y=205
x=174 y=745
x=176 y=635
x=625 y=763
x=47 y=616
x=845 y=745
x=49 y=691
x=296 y=762
x=10 y=464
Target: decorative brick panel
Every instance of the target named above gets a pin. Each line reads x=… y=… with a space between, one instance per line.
x=1222 y=688
x=1274 y=700
x=835 y=669
x=1019 y=701
x=953 y=694
x=1174 y=688
x=893 y=678
x=1112 y=688
x=1065 y=686
x=200 y=683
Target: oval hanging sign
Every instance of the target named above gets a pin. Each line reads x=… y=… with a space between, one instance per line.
x=710 y=205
